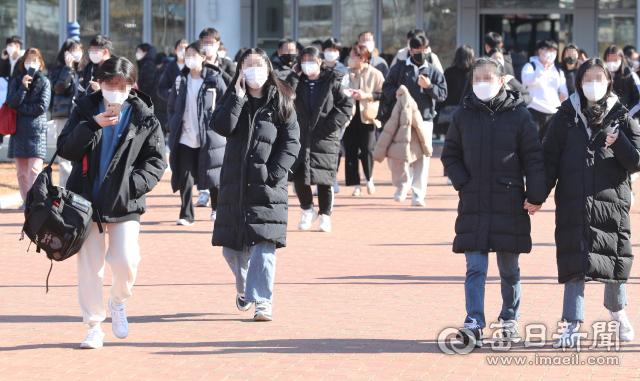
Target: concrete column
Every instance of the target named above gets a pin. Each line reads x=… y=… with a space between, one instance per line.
x=585 y=25
x=468 y=25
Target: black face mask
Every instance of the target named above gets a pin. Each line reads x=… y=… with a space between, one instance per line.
x=571 y=60
x=287 y=58
x=419 y=58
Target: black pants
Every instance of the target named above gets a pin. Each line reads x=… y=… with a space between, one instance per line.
x=305 y=195
x=188 y=173
x=542 y=121
x=359 y=142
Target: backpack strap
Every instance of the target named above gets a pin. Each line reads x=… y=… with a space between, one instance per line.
x=89 y=189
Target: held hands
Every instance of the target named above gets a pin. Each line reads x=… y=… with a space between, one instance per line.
x=106 y=119
x=240 y=86
x=532 y=209
x=94 y=85
x=26 y=80
x=424 y=81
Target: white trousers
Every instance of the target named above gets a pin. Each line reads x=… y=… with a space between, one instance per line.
x=123 y=255
x=414 y=175
x=65 y=165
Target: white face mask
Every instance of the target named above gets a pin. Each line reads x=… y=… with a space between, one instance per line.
x=486 y=90
x=310 y=68
x=11 y=49
x=594 y=91
x=255 y=77
x=180 y=55
x=331 y=55
x=549 y=57
x=636 y=65
x=34 y=65
x=77 y=56
x=116 y=97
x=222 y=53
x=614 y=66
x=192 y=63
x=211 y=50
x=139 y=56
x=369 y=45
x=95 y=57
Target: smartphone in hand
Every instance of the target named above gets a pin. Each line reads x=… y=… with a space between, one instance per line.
x=31 y=72
x=114 y=108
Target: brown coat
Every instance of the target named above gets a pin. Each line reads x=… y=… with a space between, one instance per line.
x=369 y=80
x=405 y=136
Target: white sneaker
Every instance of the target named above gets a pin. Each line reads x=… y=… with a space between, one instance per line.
x=336 y=188
x=357 y=192
x=569 y=338
x=307 y=218
x=449 y=182
x=203 y=200
x=214 y=214
x=184 y=222
x=416 y=202
x=401 y=194
x=94 y=338
x=625 y=332
x=263 y=312
x=371 y=189
x=325 y=224
x=119 y=323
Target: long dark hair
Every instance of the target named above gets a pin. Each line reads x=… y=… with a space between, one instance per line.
x=596 y=113
x=286 y=96
x=67 y=46
x=464 y=58
x=615 y=49
x=563 y=64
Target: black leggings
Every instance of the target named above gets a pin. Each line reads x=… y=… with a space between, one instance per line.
x=359 y=142
x=305 y=195
x=188 y=174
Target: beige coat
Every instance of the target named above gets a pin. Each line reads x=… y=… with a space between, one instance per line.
x=369 y=80
x=405 y=137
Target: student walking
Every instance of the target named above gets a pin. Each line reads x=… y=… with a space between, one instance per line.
x=257 y=116
x=197 y=152
x=115 y=129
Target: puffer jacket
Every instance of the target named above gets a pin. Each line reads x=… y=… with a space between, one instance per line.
x=285 y=72
x=404 y=137
x=211 y=144
x=138 y=162
x=148 y=73
x=593 y=193
x=488 y=149
x=624 y=85
x=253 y=198
x=30 y=139
x=320 y=125
x=63 y=82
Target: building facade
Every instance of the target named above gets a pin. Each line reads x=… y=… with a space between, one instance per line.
x=591 y=24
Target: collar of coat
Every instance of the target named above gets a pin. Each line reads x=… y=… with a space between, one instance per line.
x=506 y=100
x=141 y=106
x=271 y=94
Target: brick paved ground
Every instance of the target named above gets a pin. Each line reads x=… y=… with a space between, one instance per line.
x=366 y=301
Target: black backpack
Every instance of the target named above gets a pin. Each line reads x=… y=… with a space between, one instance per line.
x=58 y=221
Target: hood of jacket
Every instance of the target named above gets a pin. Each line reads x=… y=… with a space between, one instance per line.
x=150 y=56
x=504 y=101
x=575 y=103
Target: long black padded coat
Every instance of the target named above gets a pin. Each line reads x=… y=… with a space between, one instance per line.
x=593 y=194
x=253 y=197
x=211 y=144
x=320 y=125
x=487 y=151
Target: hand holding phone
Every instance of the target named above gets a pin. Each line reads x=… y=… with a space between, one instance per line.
x=612 y=136
x=114 y=109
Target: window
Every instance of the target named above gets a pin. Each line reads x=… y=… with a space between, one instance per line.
x=8 y=19
x=167 y=24
x=314 y=21
x=88 y=16
x=356 y=16
x=563 y=4
x=274 y=23
x=42 y=28
x=125 y=27
x=615 y=30
x=398 y=18
x=617 y=4
x=441 y=26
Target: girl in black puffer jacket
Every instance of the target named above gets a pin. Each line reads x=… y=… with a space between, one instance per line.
x=64 y=82
x=257 y=117
x=589 y=166
x=323 y=108
x=624 y=83
x=30 y=96
x=114 y=134
x=197 y=151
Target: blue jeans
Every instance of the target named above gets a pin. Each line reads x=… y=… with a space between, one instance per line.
x=254 y=269
x=615 y=299
x=477 y=265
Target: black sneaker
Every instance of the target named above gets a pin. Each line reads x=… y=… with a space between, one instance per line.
x=242 y=304
x=509 y=330
x=471 y=334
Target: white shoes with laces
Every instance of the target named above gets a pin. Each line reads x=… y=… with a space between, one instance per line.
x=94 y=338
x=183 y=222
x=119 y=323
x=307 y=218
x=214 y=215
x=325 y=223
